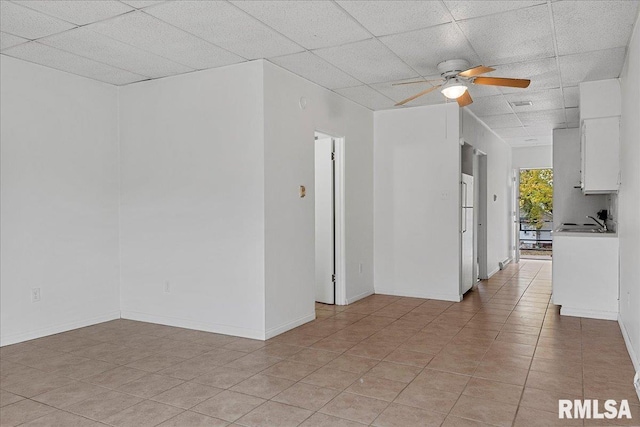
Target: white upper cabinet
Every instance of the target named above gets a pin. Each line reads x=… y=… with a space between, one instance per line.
x=600 y=110
x=600 y=172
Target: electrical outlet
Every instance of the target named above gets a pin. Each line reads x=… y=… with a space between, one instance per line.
x=35 y=294
x=167 y=287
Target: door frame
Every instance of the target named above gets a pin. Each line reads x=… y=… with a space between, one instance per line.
x=481 y=214
x=339 y=243
x=516 y=213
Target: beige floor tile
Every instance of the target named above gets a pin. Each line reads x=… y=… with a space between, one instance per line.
x=155 y=362
x=408 y=357
x=429 y=399
x=287 y=369
x=350 y=363
x=372 y=350
x=554 y=382
x=528 y=417
x=395 y=372
x=405 y=416
x=493 y=390
x=355 y=408
x=445 y=381
x=263 y=386
x=275 y=414
x=279 y=350
x=331 y=378
x=452 y=421
x=62 y=419
x=228 y=405
x=544 y=400
x=331 y=344
x=7 y=398
x=143 y=414
x=314 y=356
x=254 y=362
x=378 y=388
x=36 y=383
x=323 y=420
x=193 y=419
x=69 y=394
x=85 y=369
x=102 y=406
x=186 y=395
x=21 y=412
x=487 y=411
x=223 y=377
x=116 y=377
x=149 y=385
x=306 y=396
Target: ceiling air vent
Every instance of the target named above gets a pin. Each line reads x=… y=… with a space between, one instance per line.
x=522 y=103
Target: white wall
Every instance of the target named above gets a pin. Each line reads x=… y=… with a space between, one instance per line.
x=192 y=200
x=535 y=157
x=499 y=184
x=59 y=201
x=629 y=200
x=289 y=219
x=569 y=204
x=417 y=202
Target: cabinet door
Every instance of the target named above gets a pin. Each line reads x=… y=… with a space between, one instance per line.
x=600 y=155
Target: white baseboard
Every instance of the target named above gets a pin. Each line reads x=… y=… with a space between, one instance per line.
x=627 y=341
x=56 y=329
x=359 y=297
x=193 y=324
x=425 y=295
x=591 y=314
x=290 y=325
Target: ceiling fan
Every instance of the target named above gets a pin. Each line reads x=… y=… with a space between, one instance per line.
x=456 y=77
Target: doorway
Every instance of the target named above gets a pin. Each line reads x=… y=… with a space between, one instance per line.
x=329 y=219
x=534 y=214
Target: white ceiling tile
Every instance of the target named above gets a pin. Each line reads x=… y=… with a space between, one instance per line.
x=389 y=17
x=312 y=24
x=571 y=96
x=543 y=73
x=424 y=49
x=401 y=92
x=78 y=12
x=548 y=99
x=146 y=32
x=64 y=61
x=472 y=9
x=514 y=36
x=9 y=40
x=139 y=4
x=517 y=132
x=367 y=97
x=529 y=142
x=490 y=106
x=598 y=65
x=539 y=130
x=315 y=69
x=92 y=45
x=554 y=118
x=368 y=61
x=502 y=121
x=593 y=25
x=27 y=23
x=226 y=26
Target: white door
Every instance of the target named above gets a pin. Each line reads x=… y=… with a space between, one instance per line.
x=324 y=209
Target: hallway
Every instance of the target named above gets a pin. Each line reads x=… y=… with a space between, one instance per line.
x=501 y=357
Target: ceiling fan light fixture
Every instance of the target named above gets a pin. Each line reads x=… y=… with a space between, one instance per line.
x=454 y=88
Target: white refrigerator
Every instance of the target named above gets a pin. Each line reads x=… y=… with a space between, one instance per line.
x=466 y=228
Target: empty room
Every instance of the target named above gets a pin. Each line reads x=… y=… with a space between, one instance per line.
x=319 y=213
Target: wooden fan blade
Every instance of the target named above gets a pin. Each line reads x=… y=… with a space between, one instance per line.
x=501 y=81
x=417 y=95
x=464 y=99
x=476 y=71
x=417 y=81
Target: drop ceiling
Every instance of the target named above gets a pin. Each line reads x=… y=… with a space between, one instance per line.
x=354 y=48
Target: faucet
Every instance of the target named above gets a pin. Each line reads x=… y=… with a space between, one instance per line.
x=601 y=224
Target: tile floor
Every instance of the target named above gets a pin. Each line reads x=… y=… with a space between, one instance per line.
x=501 y=357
